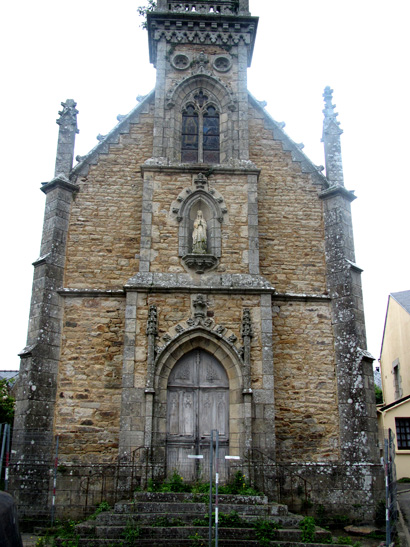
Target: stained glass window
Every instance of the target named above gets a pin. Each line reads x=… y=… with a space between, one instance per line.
x=190 y=133
x=211 y=135
x=200 y=132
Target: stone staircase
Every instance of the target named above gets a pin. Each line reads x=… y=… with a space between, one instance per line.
x=178 y=520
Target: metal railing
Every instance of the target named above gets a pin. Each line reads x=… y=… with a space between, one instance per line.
x=77 y=489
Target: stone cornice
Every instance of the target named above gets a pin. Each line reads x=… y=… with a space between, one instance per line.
x=93 y=293
x=59 y=182
x=161 y=165
x=204 y=29
x=294 y=297
x=171 y=283
x=214 y=283
x=337 y=190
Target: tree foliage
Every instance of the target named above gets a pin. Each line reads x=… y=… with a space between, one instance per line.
x=379 y=395
x=144 y=10
x=6 y=402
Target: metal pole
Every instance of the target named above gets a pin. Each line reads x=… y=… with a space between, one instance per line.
x=211 y=454
x=53 y=505
x=6 y=473
x=216 y=485
x=2 y=450
x=386 y=473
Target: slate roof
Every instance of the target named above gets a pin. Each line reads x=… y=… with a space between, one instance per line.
x=8 y=374
x=402 y=298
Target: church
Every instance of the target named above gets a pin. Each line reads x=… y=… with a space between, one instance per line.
x=197 y=273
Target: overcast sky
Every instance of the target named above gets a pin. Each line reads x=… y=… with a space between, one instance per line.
x=94 y=52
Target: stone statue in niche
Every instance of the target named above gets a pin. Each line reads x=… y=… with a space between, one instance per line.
x=199 y=238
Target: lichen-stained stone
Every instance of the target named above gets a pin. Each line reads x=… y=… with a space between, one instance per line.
x=305 y=382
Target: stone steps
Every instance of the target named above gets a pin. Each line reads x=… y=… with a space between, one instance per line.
x=186 y=543
x=167 y=519
x=183 y=532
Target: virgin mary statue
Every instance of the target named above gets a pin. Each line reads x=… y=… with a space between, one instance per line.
x=199 y=235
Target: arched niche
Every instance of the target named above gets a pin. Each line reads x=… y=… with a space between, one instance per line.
x=200 y=200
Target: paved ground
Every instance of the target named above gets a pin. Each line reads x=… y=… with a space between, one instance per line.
x=29 y=540
x=403 y=496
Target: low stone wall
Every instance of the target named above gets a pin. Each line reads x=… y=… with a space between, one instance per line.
x=352 y=490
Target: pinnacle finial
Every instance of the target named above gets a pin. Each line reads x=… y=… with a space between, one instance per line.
x=329 y=110
x=331 y=140
x=69 y=113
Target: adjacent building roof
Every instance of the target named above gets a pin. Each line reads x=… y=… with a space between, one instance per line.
x=403 y=298
x=395 y=403
x=8 y=374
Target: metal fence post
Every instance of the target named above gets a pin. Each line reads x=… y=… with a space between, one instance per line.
x=211 y=457
x=53 y=504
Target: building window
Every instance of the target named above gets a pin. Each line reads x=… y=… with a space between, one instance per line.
x=200 y=131
x=403 y=433
x=398 y=393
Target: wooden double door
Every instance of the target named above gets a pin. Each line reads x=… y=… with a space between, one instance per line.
x=197 y=403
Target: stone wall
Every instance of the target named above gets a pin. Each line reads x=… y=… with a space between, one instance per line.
x=307 y=425
x=89 y=382
x=104 y=232
x=235 y=238
x=291 y=228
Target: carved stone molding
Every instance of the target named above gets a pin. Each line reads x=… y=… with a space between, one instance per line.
x=152 y=323
x=198 y=319
x=152 y=332
x=200 y=263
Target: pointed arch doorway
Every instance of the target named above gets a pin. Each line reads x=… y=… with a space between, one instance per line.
x=197 y=402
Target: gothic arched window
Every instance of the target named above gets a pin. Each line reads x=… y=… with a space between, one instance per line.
x=200 y=131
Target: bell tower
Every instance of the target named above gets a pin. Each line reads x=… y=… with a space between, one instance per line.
x=201 y=51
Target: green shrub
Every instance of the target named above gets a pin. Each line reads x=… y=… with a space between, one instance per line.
x=344 y=540
x=265 y=531
x=232 y=520
x=308 y=527
x=104 y=506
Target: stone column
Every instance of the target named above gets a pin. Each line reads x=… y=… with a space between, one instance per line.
x=253 y=224
x=247 y=335
x=244 y=7
x=33 y=437
x=146 y=222
x=152 y=331
x=356 y=399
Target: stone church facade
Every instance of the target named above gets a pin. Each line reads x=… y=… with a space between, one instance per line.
x=197 y=272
